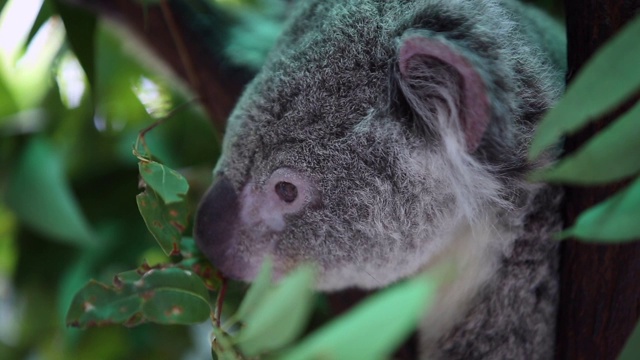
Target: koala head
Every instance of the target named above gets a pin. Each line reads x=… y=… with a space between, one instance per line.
x=362 y=146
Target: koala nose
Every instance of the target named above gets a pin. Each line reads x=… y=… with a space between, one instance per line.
x=217 y=213
x=215 y=226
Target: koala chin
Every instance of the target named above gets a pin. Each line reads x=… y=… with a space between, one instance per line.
x=382 y=138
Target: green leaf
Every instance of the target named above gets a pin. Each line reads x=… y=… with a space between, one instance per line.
x=280 y=317
x=168 y=183
x=177 y=297
x=614 y=220
x=168 y=306
x=8 y=103
x=192 y=259
x=612 y=155
x=41 y=197
x=188 y=247
x=129 y=276
x=98 y=305
x=222 y=346
x=164 y=296
x=81 y=32
x=8 y=242
x=258 y=290
x=175 y=278
x=116 y=73
x=609 y=78
x=374 y=328
x=165 y=222
x=45 y=13
x=631 y=350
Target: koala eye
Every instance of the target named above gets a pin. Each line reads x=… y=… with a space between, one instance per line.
x=286 y=191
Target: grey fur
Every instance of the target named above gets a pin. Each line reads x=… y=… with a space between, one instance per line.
x=391 y=189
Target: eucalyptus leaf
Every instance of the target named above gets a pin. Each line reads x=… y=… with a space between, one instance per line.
x=165 y=222
x=175 y=278
x=163 y=295
x=609 y=78
x=81 y=32
x=258 y=290
x=116 y=73
x=614 y=220
x=45 y=13
x=40 y=195
x=631 y=350
x=168 y=183
x=98 y=305
x=374 y=328
x=612 y=154
x=128 y=276
x=8 y=104
x=222 y=346
x=192 y=259
x=280 y=317
x=175 y=306
x=188 y=247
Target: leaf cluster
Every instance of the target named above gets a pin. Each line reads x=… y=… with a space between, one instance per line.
x=608 y=80
x=68 y=181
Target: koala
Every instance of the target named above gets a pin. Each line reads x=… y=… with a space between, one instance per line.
x=382 y=138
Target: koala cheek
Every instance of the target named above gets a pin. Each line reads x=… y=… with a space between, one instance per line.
x=215 y=228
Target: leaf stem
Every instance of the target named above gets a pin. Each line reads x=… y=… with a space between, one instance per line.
x=220 y=301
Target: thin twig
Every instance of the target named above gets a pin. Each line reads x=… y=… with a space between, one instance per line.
x=221 y=295
x=143 y=132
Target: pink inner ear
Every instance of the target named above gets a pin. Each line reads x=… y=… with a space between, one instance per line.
x=475 y=102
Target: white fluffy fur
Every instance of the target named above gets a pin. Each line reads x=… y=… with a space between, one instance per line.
x=473 y=251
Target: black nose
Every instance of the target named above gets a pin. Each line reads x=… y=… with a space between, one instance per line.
x=216 y=220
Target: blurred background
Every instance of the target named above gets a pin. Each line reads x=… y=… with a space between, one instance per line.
x=68 y=182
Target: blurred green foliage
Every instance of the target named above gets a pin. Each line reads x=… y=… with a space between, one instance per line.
x=609 y=80
x=608 y=84
x=69 y=180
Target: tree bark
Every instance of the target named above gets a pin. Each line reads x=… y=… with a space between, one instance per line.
x=600 y=291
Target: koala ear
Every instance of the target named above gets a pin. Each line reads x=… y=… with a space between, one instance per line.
x=442 y=88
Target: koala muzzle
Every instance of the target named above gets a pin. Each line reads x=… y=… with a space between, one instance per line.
x=236 y=229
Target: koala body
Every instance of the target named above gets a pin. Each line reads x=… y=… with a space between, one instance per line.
x=382 y=138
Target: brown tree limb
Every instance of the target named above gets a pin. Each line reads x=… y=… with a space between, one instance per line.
x=600 y=285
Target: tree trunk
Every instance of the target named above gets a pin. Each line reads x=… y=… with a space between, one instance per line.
x=600 y=288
